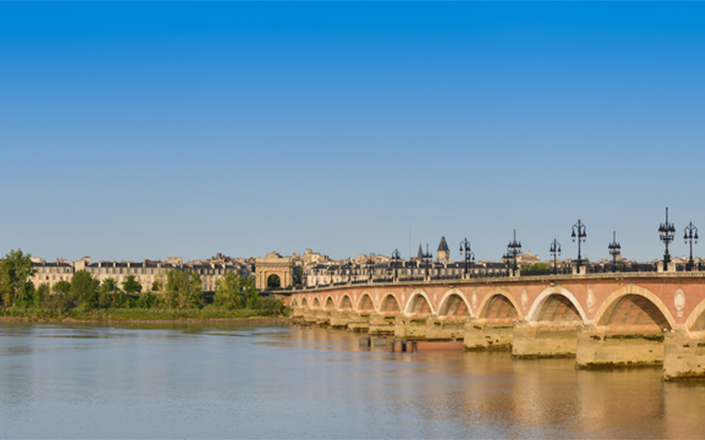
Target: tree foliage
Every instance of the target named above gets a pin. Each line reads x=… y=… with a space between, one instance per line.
x=234 y=292
x=62 y=287
x=131 y=285
x=15 y=271
x=107 y=292
x=183 y=290
x=84 y=288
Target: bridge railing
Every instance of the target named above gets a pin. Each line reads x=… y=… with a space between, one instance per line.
x=687 y=267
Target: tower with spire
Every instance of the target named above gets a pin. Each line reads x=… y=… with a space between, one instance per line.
x=443 y=253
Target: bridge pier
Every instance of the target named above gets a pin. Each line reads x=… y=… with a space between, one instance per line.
x=382 y=323
x=309 y=317
x=604 y=347
x=322 y=317
x=359 y=321
x=483 y=334
x=410 y=326
x=297 y=314
x=684 y=355
x=445 y=327
x=544 y=339
x=339 y=318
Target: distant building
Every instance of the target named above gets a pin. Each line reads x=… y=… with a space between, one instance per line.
x=146 y=272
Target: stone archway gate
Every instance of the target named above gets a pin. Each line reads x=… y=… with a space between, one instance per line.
x=273 y=264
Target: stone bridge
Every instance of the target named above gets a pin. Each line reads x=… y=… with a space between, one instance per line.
x=604 y=320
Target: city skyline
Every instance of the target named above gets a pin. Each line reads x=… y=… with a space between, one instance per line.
x=136 y=131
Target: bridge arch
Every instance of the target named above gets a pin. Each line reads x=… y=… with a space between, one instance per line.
x=416 y=303
x=366 y=303
x=304 y=302
x=293 y=302
x=696 y=319
x=390 y=303
x=345 y=303
x=635 y=295
x=453 y=303
x=329 y=303
x=490 y=300
x=560 y=300
x=316 y=303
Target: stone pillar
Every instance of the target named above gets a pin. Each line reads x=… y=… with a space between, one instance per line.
x=339 y=318
x=544 y=339
x=479 y=334
x=410 y=327
x=684 y=356
x=297 y=314
x=359 y=321
x=603 y=347
x=322 y=317
x=309 y=316
x=382 y=323
x=445 y=327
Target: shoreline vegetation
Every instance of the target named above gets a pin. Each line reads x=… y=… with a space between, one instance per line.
x=176 y=297
x=208 y=314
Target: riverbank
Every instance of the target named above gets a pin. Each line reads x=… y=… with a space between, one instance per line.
x=147 y=316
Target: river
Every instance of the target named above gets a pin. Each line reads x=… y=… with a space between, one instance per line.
x=169 y=381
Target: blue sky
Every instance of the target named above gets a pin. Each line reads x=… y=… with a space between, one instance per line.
x=132 y=131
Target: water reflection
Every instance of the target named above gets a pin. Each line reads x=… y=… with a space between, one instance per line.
x=274 y=382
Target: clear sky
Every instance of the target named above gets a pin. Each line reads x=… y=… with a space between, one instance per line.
x=132 y=131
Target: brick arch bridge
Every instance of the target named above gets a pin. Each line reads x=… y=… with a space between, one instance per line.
x=602 y=319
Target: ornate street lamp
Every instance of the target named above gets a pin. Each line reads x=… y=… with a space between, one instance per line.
x=467 y=254
x=396 y=257
x=667 y=232
x=426 y=259
x=614 y=248
x=555 y=250
x=691 y=233
x=579 y=233
x=513 y=249
x=370 y=263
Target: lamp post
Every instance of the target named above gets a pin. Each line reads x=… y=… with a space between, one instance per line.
x=579 y=233
x=614 y=248
x=555 y=250
x=466 y=252
x=370 y=263
x=691 y=233
x=396 y=257
x=667 y=232
x=513 y=249
x=426 y=258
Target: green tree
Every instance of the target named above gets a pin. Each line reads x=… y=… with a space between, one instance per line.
x=147 y=300
x=85 y=289
x=62 y=287
x=176 y=293
x=42 y=292
x=536 y=269
x=121 y=301
x=297 y=276
x=26 y=296
x=106 y=292
x=15 y=271
x=250 y=292
x=195 y=292
x=228 y=291
x=131 y=285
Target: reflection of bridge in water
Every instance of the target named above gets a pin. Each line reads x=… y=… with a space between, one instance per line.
x=604 y=320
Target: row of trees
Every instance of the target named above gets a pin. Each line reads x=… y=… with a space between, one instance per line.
x=179 y=290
